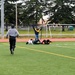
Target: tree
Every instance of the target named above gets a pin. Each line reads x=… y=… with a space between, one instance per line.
x=61 y=15
x=62 y=12
x=9 y=12
x=29 y=13
x=32 y=11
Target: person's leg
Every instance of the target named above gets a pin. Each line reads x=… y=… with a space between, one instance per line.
x=14 y=43
x=36 y=37
x=11 y=42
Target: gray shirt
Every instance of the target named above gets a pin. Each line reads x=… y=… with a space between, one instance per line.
x=12 y=32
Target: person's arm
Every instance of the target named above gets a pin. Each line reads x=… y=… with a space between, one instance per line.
x=17 y=34
x=40 y=28
x=34 y=27
x=7 y=34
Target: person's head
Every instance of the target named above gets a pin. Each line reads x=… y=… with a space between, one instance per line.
x=37 y=28
x=31 y=39
x=12 y=26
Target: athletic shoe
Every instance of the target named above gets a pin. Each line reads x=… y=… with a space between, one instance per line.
x=12 y=52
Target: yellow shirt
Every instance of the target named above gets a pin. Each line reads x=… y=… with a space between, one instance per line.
x=38 y=30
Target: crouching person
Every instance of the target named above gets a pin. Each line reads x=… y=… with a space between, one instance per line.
x=30 y=41
x=46 y=41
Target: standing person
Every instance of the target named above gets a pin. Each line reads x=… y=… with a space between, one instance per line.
x=37 y=30
x=12 y=34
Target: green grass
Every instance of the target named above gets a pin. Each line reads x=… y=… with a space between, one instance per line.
x=57 y=31
x=57 y=58
x=53 y=33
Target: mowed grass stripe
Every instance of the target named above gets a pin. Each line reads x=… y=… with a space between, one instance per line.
x=60 y=55
x=64 y=47
x=52 y=53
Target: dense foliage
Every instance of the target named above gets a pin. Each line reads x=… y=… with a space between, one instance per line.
x=30 y=11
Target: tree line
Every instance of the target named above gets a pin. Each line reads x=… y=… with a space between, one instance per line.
x=30 y=11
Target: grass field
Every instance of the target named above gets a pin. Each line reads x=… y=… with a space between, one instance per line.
x=57 y=58
x=53 y=33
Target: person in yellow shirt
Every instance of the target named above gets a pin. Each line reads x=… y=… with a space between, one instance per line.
x=37 y=30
